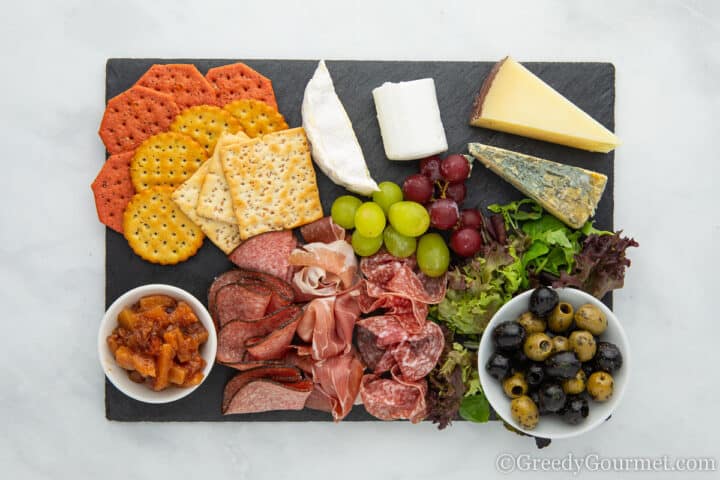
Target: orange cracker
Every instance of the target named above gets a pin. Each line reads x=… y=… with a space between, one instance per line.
x=168 y=158
x=237 y=81
x=135 y=115
x=113 y=189
x=256 y=117
x=183 y=81
x=205 y=124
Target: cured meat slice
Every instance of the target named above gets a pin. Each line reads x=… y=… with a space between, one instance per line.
x=339 y=379
x=319 y=400
x=394 y=398
x=248 y=301
x=267 y=253
x=328 y=324
x=266 y=388
x=233 y=337
x=313 y=282
x=323 y=230
x=335 y=258
x=275 y=344
x=383 y=342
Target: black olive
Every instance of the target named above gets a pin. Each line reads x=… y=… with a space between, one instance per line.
x=498 y=366
x=608 y=357
x=543 y=300
x=563 y=365
x=508 y=336
x=519 y=361
x=588 y=368
x=535 y=397
x=575 y=410
x=552 y=397
x=535 y=375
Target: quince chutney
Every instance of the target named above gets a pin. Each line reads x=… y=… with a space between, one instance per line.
x=158 y=341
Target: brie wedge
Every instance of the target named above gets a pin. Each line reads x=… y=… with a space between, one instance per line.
x=409 y=118
x=335 y=147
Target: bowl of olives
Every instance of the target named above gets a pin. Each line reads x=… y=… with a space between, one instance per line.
x=554 y=363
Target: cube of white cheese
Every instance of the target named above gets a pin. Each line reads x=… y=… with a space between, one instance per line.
x=409 y=118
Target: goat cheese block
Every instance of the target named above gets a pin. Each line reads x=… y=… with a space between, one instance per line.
x=335 y=147
x=569 y=193
x=409 y=118
x=513 y=100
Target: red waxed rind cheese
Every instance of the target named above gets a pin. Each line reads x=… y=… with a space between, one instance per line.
x=267 y=253
x=238 y=81
x=135 y=115
x=183 y=81
x=113 y=190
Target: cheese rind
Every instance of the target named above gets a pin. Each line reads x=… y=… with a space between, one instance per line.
x=409 y=119
x=335 y=147
x=569 y=193
x=513 y=100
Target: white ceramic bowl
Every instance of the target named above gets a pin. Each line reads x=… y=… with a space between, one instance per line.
x=119 y=377
x=551 y=426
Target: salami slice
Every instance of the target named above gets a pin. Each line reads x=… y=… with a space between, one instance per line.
x=267 y=253
x=417 y=356
x=266 y=389
x=248 y=301
x=323 y=230
x=394 y=399
x=275 y=344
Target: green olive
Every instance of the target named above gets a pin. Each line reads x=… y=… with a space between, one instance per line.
x=590 y=318
x=525 y=412
x=538 y=346
x=561 y=317
x=560 y=344
x=515 y=385
x=575 y=385
x=583 y=344
x=600 y=386
x=531 y=323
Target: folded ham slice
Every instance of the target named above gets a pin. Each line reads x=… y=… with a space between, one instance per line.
x=267 y=253
x=263 y=389
x=327 y=323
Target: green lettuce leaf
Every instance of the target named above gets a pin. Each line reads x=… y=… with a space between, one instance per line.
x=475 y=408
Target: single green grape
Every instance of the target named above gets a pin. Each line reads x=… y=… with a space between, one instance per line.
x=366 y=246
x=389 y=194
x=433 y=256
x=369 y=219
x=398 y=244
x=343 y=210
x=409 y=218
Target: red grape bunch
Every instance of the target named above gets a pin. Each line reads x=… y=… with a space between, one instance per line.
x=440 y=186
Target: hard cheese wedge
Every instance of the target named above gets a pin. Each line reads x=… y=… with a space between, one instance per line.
x=570 y=193
x=512 y=99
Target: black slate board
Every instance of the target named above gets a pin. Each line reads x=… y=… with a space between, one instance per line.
x=591 y=86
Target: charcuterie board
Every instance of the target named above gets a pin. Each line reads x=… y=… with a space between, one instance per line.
x=591 y=86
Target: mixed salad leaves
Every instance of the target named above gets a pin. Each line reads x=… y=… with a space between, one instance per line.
x=523 y=247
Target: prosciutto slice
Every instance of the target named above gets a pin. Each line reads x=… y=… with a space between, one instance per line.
x=337 y=381
x=336 y=259
x=394 y=398
x=267 y=253
x=266 y=388
x=323 y=230
x=327 y=323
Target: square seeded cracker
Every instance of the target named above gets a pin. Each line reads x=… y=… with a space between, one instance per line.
x=272 y=182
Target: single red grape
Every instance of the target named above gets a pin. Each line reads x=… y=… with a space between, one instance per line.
x=430 y=167
x=417 y=188
x=456 y=191
x=444 y=213
x=455 y=168
x=471 y=218
x=466 y=242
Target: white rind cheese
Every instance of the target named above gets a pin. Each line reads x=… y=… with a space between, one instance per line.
x=335 y=147
x=409 y=119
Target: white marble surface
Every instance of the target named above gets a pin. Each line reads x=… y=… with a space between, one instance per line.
x=667 y=56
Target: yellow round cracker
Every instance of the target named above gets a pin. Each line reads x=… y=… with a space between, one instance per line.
x=168 y=158
x=157 y=230
x=205 y=124
x=256 y=117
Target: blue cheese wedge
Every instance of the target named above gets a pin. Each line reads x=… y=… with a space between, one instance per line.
x=335 y=148
x=409 y=119
x=569 y=193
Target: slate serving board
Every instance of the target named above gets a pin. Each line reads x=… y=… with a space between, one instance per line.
x=591 y=86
